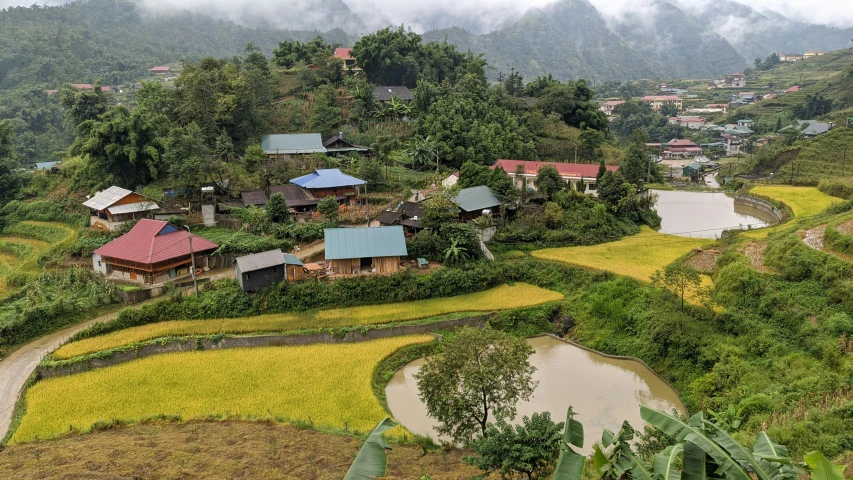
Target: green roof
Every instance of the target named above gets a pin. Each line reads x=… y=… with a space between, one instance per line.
x=365 y=242
x=292 y=144
x=476 y=198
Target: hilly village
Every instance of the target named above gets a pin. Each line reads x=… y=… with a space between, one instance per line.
x=385 y=259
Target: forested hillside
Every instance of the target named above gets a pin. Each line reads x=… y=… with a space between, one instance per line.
x=115 y=41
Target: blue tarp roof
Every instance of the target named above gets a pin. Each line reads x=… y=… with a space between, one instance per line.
x=365 y=242
x=328 y=178
x=292 y=144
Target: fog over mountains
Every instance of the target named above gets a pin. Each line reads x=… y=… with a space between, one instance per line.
x=596 y=39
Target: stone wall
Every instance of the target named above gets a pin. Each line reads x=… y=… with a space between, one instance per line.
x=256 y=341
x=759 y=204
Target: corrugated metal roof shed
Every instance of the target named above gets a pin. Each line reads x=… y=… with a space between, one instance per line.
x=292 y=143
x=253 y=197
x=366 y=242
x=327 y=178
x=476 y=198
x=388 y=217
x=133 y=207
x=104 y=199
x=260 y=261
x=291 y=259
x=383 y=94
x=46 y=165
x=294 y=195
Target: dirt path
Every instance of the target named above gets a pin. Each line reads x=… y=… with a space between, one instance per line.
x=17 y=367
x=310 y=250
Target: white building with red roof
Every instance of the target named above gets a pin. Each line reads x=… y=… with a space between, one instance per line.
x=681 y=148
x=657 y=102
x=160 y=70
x=152 y=252
x=524 y=172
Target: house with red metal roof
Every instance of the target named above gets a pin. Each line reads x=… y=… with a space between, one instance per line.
x=152 y=252
x=681 y=148
x=524 y=172
x=160 y=70
x=345 y=54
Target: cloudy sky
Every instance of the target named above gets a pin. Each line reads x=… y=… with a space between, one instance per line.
x=479 y=14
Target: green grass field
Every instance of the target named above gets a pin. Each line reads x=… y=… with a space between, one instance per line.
x=22 y=244
x=326 y=386
x=500 y=298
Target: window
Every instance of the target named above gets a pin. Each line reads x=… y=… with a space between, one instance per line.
x=248 y=276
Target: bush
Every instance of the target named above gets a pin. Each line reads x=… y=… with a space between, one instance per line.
x=239 y=243
x=836 y=188
x=44 y=211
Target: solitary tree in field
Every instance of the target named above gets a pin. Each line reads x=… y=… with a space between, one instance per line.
x=678 y=279
x=478 y=377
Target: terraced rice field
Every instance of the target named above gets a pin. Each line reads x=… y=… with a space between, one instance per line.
x=637 y=256
x=500 y=298
x=22 y=244
x=328 y=386
x=804 y=201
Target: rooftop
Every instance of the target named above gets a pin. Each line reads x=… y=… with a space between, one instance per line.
x=260 y=261
x=383 y=93
x=566 y=170
x=343 y=53
x=102 y=200
x=327 y=178
x=366 y=242
x=476 y=198
x=292 y=143
x=154 y=241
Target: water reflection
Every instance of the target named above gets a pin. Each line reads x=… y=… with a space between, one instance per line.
x=604 y=391
x=705 y=215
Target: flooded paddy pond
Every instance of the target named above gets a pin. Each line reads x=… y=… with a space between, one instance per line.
x=603 y=391
x=705 y=214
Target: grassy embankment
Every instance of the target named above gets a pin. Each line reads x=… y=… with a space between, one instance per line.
x=500 y=298
x=23 y=243
x=324 y=386
x=805 y=202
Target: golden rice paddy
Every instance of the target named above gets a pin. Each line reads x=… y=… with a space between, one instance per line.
x=326 y=385
x=637 y=256
x=804 y=201
x=499 y=298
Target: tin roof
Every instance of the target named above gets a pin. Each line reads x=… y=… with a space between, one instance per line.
x=383 y=94
x=291 y=259
x=292 y=143
x=133 y=207
x=104 y=199
x=476 y=198
x=365 y=242
x=388 y=217
x=154 y=241
x=327 y=178
x=260 y=261
x=566 y=170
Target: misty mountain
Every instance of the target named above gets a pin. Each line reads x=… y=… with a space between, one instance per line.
x=569 y=39
x=679 y=42
x=756 y=34
x=118 y=41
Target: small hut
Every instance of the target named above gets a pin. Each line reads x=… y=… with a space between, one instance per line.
x=369 y=249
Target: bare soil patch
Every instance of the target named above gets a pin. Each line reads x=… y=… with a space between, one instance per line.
x=846 y=228
x=814 y=237
x=755 y=252
x=703 y=260
x=205 y=450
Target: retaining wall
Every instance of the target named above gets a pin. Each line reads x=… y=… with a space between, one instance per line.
x=189 y=344
x=759 y=204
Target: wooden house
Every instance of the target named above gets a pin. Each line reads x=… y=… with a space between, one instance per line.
x=330 y=182
x=337 y=146
x=473 y=201
x=109 y=209
x=152 y=252
x=365 y=250
x=261 y=270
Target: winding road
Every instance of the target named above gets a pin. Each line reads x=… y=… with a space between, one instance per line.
x=17 y=367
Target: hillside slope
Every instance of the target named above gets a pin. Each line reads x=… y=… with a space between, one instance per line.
x=114 y=40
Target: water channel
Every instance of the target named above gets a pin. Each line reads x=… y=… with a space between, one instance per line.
x=705 y=214
x=603 y=391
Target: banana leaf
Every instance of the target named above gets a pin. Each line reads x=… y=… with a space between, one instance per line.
x=570 y=463
x=821 y=468
x=371 y=460
x=664 y=463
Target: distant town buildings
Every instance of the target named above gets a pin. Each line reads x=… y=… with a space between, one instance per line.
x=657 y=102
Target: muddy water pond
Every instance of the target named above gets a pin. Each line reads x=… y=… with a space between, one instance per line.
x=603 y=391
x=705 y=214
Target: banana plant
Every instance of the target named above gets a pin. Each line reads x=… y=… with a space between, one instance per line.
x=707 y=450
x=570 y=463
x=371 y=460
x=622 y=460
x=821 y=468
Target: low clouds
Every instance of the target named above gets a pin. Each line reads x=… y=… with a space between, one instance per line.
x=479 y=16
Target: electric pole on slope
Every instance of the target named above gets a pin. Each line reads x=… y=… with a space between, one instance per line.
x=192 y=256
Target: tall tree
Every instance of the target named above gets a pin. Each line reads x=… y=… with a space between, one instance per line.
x=81 y=105
x=9 y=163
x=472 y=174
x=635 y=166
x=276 y=210
x=479 y=374
x=549 y=181
x=389 y=56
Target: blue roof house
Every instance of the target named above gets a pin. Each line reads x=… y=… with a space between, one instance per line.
x=330 y=182
x=352 y=251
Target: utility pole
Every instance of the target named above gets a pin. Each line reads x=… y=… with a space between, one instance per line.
x=192 y=256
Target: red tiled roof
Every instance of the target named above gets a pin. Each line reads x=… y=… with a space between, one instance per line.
x=145 y=244
x=587 y=170
x=160 y=68
x=681 y=142
x=344 y=54
x=83 y=86
x=614 y=102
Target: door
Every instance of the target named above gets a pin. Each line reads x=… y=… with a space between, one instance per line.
x=173 y=273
